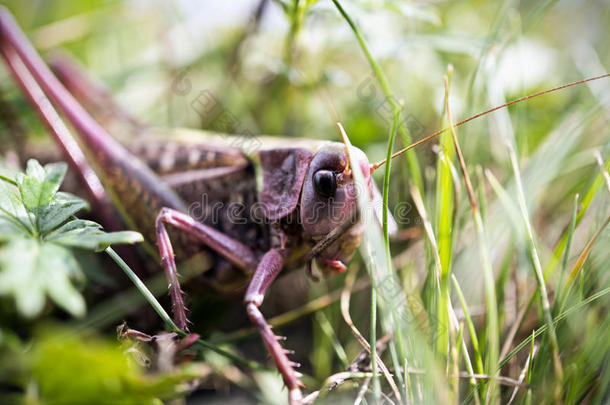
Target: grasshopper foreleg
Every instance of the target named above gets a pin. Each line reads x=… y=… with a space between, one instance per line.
x=267 y=270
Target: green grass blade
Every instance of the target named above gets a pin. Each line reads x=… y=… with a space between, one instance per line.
x=471 y=329
x=542 y=291
x=557 y=305
x=557 y=319
x=598 y=182
x=385 y=86
x=152 y=300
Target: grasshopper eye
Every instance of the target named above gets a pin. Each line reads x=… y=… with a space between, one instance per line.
x=325 y=183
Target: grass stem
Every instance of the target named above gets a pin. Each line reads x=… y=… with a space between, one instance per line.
x=542 y=291
x=139 y=284
x=391 y=99
x=488 y=275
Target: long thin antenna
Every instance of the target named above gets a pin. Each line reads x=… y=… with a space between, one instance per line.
x=437 y=133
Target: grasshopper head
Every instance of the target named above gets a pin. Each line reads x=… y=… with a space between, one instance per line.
x=329 y=199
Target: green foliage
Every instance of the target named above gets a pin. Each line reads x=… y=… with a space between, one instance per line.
x=66 y=368
x=38 y=232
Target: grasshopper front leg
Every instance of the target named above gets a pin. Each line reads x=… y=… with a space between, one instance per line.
x=241 y=256
x=267 y=270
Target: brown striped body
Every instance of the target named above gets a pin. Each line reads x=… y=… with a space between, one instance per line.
x=217 y=188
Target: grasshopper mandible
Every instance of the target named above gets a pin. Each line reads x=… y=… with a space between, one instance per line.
x=305 y=193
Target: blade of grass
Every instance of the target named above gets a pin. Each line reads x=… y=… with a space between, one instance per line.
x=421 y=209
x=345 y=301
x=604 y=172
x=152 y=300
x=455 y=360
x=165 y=316
x=586 y=202
x=385 y=87
x=376 y=386
x=490 y=291
x=527 y=369
x=576 y=269
x=386 y=233
x=445 y=207
x=371 y=248
x=475 y=344
x=471 y=329
x=530 y=366
x=542 y=291
x=557 y=319
x=557 y=305
x=329 y=331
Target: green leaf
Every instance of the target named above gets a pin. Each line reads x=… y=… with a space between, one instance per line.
x=71 y=369
x=58 y=269
x=29 y=271
x=73 y=225
x=60 y=209
x=12 y=209
x=18 y=276
x=9 y=230
x=39 y=185
x=35 y=260
x=89 y=235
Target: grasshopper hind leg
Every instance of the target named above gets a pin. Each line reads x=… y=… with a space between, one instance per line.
x=232 y=250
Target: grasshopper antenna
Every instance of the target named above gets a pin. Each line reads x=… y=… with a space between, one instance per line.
x=437 y=133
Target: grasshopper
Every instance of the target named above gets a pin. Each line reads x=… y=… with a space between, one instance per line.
x=284 y=204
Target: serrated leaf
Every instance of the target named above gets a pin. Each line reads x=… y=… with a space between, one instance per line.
x=29 y=271
x=38 y=185
x=60 y=209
